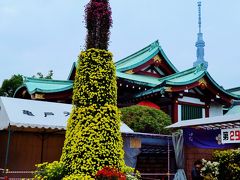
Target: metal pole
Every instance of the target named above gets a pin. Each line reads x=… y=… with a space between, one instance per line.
x=168 y=152
x=7 y=150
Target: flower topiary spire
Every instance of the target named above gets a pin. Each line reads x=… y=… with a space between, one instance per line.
x=98 y=22
x=93 y=139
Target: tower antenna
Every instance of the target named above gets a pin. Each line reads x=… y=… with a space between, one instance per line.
x=200 y=44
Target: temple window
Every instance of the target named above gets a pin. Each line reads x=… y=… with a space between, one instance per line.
x=191 y=112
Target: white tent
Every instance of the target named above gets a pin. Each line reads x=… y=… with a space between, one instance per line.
x=37 y=114
x=217 y=122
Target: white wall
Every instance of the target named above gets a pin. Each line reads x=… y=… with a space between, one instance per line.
x=215 y=110
x=179 y=112
x=191 y=100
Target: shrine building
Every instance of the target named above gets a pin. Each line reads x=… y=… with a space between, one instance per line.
x=149 y=78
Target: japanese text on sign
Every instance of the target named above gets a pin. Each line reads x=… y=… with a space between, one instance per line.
x=46 y=114
x=230 y=135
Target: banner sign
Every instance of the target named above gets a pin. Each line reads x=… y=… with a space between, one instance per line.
x=230 y=135
x=201 y=138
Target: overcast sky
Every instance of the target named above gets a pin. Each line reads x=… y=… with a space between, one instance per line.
x=42 y=35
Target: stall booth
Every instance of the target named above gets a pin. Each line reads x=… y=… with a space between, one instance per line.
x=203 y=136
x=33 y=132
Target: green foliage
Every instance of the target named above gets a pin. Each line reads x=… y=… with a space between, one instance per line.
x=41 y=76
x=78 y=177
x=131 y=173
x=93 y=138
x=229 y=164
x=131 y=177
x=146 y=119
x=50 y=171
x=95 y=80
x=210 y=169
x=9 y=86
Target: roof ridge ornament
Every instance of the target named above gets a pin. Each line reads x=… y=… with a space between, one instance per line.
x=200 y=44
x=153 y=45
x=199 y=67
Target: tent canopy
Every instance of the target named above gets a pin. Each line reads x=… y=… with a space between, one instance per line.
x=23 y=113
x=217 y=122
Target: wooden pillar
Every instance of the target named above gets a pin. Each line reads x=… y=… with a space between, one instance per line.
x=174 y=110
x=207 y=110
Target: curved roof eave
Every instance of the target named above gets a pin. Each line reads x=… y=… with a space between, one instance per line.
x=168 y=61
x=42 y=80
x=210 y=79
x=137 y=82
x=74 y=66
x=157 y=51
x=186 y=82
x=39 y=90
x=220 y=88
x=138 y=63
x=68 y=86
x=159 y=87
x=150 y=91
x=124 y=60
x=235 y=90
x=20 y=87
x=151 y=50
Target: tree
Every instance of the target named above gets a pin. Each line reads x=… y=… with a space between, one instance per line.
x=145 y=119
x=9 y=86
x=41 y=76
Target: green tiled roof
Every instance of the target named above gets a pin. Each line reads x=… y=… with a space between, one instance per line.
x=139 y=79
x=46 y=85
x=184 y=78
x=235 y=90
x=156 y=84
x=180 y=78
x=137 y=59
x=142 y=57
x=74 y=66
x=221 y=88
x=234 y=109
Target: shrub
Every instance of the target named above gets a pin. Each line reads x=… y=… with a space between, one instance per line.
x=131 y=173
x=78 y=177
x=210 y=169
x=229 y=164
x=146 y=119
x=50 y=171
x=131 y=177
x=93 y=139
